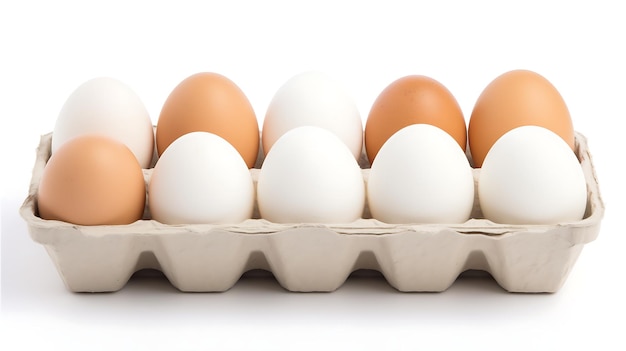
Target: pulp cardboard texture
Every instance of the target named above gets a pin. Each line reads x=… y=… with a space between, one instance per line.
x=315 y=257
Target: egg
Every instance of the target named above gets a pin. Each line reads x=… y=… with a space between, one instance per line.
x=92 y=180
x=200 y=178
x=210 y=102
x=421 y=175
x=310 y=176
x=106 y=106
x=410 y=100
x=514 y=99
x=531 y=176
x=313 y=99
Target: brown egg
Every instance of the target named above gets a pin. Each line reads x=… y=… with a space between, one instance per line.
x=212 y=103
x=92 y=180
x=413 y=100
x=515 y=99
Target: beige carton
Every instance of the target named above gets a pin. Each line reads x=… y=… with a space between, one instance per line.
x=315 y=257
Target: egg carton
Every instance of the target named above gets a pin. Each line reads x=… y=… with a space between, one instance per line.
x=315 y=257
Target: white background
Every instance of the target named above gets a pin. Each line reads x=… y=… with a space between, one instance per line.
x=49 y=48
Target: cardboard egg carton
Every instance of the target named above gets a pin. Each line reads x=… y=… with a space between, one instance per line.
x=315 y=257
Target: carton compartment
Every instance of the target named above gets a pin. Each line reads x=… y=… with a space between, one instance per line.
x=315 y=257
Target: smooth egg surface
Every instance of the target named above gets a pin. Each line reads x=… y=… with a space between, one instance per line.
x=200 y=178
x=92 y=180
x=310 y=176
x=107 y=107
x=313 y=99
x=210 y=102
x=514 y=99
x=531 y=176
x=421 y=176
x=413 y=100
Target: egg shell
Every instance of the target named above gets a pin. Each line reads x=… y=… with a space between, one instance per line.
x=310 y=176
x=531 y=176
x=210 y=102
x=201 y=178
x=410 y=100
x=421 y=176
x=313 y=99
x=108 y=107
x=514 y=99
x=92 y=180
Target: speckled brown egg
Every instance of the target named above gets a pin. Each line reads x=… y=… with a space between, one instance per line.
x=514 y=99
x=92 y=180
x=410 y=100
x=210 y=102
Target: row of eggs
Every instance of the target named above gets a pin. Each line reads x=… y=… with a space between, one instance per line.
x=207 y=137
x=213 y=103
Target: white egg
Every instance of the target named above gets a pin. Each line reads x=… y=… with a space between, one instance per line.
x=201 y=178
x=531 y=176
x=313 y=99
x=421 y=175
x=310 y=176
x=108 y=107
